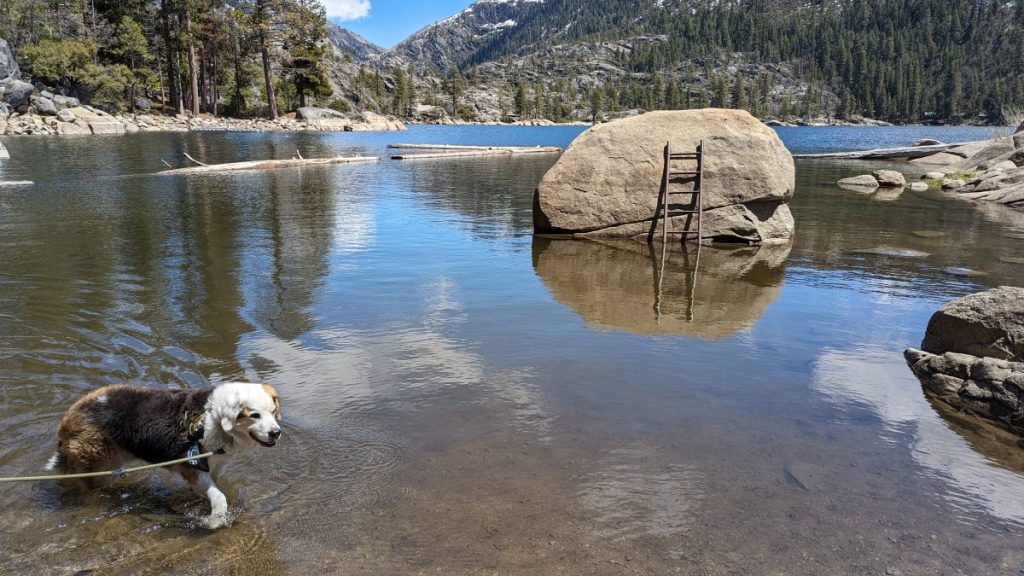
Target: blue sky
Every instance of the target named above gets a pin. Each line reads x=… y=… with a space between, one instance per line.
x=388 y=22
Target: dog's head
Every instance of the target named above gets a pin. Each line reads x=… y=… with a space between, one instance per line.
x=250 y=413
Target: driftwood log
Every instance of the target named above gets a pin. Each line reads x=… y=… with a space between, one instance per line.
x=907 y=152
x=13 y=183
x=454 y=151
x=267 y=164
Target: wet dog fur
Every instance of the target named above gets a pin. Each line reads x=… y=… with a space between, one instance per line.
x=116 y=424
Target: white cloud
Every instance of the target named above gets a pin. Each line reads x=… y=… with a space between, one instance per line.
x=347 y=9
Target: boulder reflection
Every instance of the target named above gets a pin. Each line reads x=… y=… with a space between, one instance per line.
x=624 y=285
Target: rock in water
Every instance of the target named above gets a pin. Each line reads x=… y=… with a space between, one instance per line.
x=985 y=324
x=865 y=182
x=608 y=182
x=890 y=178
x=972 y=356
x=8 y=66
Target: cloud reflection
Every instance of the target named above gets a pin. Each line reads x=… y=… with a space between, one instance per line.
x=880 y=380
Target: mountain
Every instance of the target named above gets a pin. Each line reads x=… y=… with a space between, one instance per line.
x=899 y=60
x=455 y=40
x=348 y=42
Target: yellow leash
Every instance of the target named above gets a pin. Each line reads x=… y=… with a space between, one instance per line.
x=119 y=473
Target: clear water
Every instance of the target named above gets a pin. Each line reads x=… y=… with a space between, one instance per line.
x=462 y=398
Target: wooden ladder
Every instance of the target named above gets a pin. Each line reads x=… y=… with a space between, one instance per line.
x=696 y=207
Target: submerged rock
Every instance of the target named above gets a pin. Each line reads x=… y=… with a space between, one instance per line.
x=607 y=184
x=893 y=252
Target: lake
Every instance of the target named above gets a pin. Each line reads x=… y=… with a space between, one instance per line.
x=462 y=398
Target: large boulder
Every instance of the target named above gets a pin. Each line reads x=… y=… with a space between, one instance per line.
x=985 y=324
x=972 y=356
x=608 y=183
x=309 y=113
x=8 y=66
x=17 y=95
x=371 y=122
x=44 y=106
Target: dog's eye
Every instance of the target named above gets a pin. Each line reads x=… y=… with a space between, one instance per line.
x=255 y=415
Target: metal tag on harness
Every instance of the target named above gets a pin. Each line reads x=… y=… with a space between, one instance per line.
x=197 y=463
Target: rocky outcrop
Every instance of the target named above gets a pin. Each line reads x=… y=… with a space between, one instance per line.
x=607 y=184
x=988 y=171
x=972 y=353
x=8 y=66
x=609 y=284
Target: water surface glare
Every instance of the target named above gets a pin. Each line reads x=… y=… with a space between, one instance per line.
x=462 y=398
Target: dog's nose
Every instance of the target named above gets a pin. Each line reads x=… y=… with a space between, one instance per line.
x=275 y=434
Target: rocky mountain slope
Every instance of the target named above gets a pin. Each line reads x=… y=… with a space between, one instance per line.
x=902 y=60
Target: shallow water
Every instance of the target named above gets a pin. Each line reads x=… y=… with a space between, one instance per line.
x=460 y=397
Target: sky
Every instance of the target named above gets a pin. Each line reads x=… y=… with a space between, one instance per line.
x=388 y=22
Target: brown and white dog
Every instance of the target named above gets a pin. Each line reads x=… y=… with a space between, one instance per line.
x=117 y=424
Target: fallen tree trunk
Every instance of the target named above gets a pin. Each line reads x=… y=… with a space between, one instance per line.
x=268 y=164
x=467 y=153
x=907 y=152
x=13 y=183
x=460 y=148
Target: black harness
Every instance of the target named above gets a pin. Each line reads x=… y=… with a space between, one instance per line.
x=194 y=430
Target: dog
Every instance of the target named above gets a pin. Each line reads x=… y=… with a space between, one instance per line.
x=116 y=424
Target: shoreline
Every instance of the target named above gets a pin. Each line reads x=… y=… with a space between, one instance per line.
x=84 y=120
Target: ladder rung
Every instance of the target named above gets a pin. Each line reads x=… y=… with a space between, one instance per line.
x=683 y=232
x=683 y=155
x=684 y=173
x=681 y=212
x=676 y=192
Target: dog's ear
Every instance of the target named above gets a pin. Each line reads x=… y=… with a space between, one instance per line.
x=229 y=413
x=272 y=392
x=227 y=421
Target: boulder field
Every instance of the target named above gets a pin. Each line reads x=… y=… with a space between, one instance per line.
x=972 y=357
x=607 y=184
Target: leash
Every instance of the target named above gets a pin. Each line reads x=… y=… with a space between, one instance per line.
x=119 y=473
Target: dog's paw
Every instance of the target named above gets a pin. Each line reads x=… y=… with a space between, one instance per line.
x=215 y=521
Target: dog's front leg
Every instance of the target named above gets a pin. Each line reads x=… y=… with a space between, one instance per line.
x=203 y=483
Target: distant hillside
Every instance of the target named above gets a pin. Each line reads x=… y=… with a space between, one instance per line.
x=899 y=60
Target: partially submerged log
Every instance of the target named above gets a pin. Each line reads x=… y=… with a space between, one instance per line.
x=906 y=152
x=445 y=151
x=268 y=164
x=13 y=183
x=461 y=148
